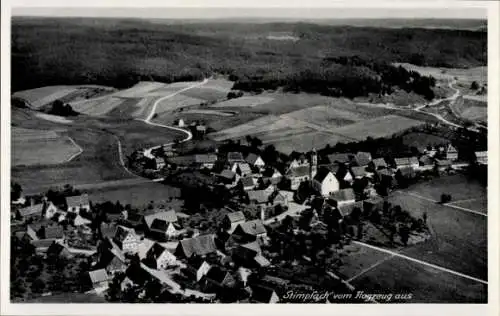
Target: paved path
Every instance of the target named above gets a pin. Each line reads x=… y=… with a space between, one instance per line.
x=396 y=254
x=189 y=135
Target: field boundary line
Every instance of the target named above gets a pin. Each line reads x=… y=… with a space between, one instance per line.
x=376 y=264
x=395 y=254
x=465 y=200
x=80 y=150
x=444 y=204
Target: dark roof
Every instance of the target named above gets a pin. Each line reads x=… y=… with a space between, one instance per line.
x=247 y=181
x=167 y=216
x=217 y=274
x=298 y=171
x=122 y=233
x=55 y=248
x=135 y=217
x=269 y=172
x=379 y=162
x=340 y=157
x=254 y=227
x=42 y=243
x=54 y=232
x=76 y=201
x=343 y=195
x=200 y=245
x=407 y=172
x=205 y=158
x=236 y=216
x=363 y=158
x=31 y=210
x=333 y=167
x=252 y=158
x=346 y=210
x=156 y=250
x=321 y=174
x=159 y=225
x=262 y=293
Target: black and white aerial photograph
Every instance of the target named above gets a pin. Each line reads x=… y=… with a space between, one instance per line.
x=248 y=155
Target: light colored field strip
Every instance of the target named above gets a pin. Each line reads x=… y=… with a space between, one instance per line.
x=80 y=150
x=445 y=204
x=466 y=200
x=370 y=268
x=395 y=254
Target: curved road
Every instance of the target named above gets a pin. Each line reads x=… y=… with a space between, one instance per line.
x=189 y=135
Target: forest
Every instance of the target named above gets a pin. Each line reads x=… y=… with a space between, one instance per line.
x=333 y=60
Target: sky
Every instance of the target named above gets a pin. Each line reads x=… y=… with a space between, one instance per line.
x=281 y=13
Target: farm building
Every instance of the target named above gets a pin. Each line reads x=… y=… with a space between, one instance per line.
x=425 y=163
x=255 y=160
x=241 y=168
x=271 y=175
x=30 y=212
x=342 y=197
x=377 y=164
x=299 y=162
x=252 y=231
x=325 y=182
x=217 y=278
x=78 y=203
x=443 y=164
x=198 y=269
x=406 y=162
x=227 y=177
x=112 y=261
x=126 y=239
x=263 y=294
x=345 y=175
x=159 y=163
x=163 y=225
x=200 y=245
x=232 y=220
x=159 y=258
x=205 y=161
x=258 y=196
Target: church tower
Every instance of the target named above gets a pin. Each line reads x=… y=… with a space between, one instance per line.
x=313 y=166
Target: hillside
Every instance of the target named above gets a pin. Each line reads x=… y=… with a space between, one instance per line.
x=119 y=53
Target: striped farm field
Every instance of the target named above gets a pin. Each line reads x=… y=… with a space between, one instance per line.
x=45 y=95
x=245 y=101
x=140 y=89
x=176 y=102
x=98 y=107
x=40 y=147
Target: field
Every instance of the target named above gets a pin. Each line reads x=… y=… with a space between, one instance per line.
x=458 y=243
x=39 y=97
x=245 y=101
x=471 y=109
x=38 y=147
x=422 y=140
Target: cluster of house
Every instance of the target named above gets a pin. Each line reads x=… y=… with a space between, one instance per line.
x=44 y=220
x=212 y=263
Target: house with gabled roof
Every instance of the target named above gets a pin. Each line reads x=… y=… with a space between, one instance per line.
x=406 y=162
x=425 y=163
x=159 y=258
x=112 y=261
x=342 y=197
x=443 y=164
x=58 y=250
x=242 y=169
x=346 y=209
x=126 y=239
x=200 y=246
x=144 y=247
x=298 y=162
x=135 y=219
x=258 y=196
x=227 y=177
x=377 y=164
x=30 y=212
x=217 y=278
x=344 y=175
x=198 y=268
x=271 y=175
x=232 y=220
x=78 y=203
x=263 y=294
x=255 y=161
x=324 y=182
x=298 y=175
x=358 y=173
x=247 y=183
x=451 y=153
x=159 y=163
x=163 y=225
x=363 y=158
x=253 y=230
x=205 y=160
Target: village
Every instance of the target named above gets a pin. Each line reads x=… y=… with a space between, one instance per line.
x=272 y=226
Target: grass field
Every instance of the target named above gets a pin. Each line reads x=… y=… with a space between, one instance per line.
x=176 y=102
x=42 y=151
x=99 y=106
x=45 y=95
x=377 y=127
x=305 y=142
x=54 y=118
x=140 y=89
x=471 y=109
x=427 y=285
x=245 y=101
